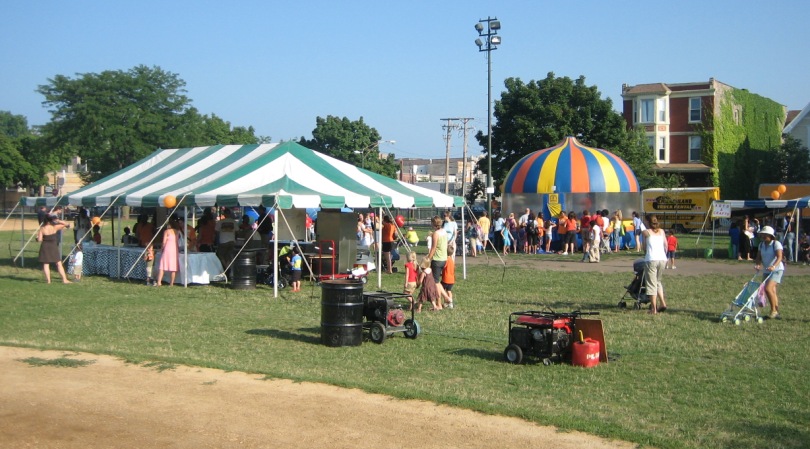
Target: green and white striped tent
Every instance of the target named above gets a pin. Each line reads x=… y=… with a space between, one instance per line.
x=285 y=175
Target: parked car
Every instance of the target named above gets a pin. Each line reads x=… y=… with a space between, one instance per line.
x=476 y=210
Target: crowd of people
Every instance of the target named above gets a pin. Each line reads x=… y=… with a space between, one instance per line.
x=566 y=234
x=591 y=234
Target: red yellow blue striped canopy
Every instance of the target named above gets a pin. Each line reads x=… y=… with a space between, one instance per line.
x=570 y=167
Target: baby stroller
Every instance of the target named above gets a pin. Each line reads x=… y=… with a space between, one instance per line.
x=636 y=290
x=264 y=273
x=744 y=306
x=394 y=256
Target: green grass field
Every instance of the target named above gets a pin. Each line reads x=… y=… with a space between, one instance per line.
x=679 y=380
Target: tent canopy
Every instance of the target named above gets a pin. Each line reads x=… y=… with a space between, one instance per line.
x=288 y=175
x=570 y=167
x=770 y=204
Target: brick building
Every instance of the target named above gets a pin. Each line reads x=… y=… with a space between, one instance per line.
x=681 y=121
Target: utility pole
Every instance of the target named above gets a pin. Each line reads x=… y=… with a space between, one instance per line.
x=464 y=121
x=449 y=127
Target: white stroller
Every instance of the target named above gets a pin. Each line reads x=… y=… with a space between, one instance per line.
x=744 y=306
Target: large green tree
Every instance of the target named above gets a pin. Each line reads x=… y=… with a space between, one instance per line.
x=539 y=114
x=116 y=118
x=790 y=163
x=22 y=160
x=351 y=141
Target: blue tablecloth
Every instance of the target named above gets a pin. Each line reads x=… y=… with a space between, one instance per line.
x=113 y=261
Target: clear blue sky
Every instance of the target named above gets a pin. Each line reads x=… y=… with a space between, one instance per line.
x=401 y=65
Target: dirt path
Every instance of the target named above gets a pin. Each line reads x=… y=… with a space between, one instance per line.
x=111 y=404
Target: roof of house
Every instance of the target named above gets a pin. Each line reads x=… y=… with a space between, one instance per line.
x=692 y=167
x=653 y=88
x=792 y=123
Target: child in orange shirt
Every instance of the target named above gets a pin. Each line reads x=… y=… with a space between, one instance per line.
x=448 y=279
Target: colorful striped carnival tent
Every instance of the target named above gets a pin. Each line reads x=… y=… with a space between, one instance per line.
x=570 y=176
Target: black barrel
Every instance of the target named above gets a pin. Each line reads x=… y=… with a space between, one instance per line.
x=244 y=271
x=342 y=312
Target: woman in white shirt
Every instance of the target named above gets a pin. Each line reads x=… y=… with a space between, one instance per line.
x=655 y=260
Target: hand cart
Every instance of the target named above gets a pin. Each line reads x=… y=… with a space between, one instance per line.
x=385 y=314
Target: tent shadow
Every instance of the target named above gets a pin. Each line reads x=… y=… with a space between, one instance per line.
x=479 y=353
x=305 y=335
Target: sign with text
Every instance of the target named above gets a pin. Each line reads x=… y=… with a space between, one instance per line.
x=721 y=210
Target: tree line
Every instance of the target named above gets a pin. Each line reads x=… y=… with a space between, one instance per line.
x=117 y=117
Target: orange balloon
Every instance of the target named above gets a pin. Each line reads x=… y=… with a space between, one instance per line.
x=775 y=194
x=95 y=220
x=169 y=201
x=782 y=188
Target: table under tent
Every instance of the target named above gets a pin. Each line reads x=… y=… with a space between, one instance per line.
x=286 y=178
x=722 y=209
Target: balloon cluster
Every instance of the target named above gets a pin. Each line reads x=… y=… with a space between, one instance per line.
x=779 y=191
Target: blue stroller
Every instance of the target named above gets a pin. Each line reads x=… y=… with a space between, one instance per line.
x=744 y=306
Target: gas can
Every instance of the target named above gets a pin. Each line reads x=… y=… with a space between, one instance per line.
x=585 y=353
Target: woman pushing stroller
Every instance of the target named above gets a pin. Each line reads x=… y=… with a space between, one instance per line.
x=769 y=259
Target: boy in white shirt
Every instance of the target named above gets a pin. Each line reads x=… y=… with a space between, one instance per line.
x=596 y=240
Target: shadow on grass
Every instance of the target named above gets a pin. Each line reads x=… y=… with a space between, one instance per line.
x=482 y=354
x=305 y=335
x=787 y=435
x=562 y=307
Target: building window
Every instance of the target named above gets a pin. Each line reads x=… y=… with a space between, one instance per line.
x=662 y=149
x=647 y=108
x=694 y=109
x=651 y=143
x=662 y=110
x=694 y=148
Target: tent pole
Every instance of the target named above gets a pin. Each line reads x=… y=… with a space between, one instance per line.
x=378 y=237
x=463 y=245
x=185 y=247
x=22 y=237
x=275 y=251
x=118 y=265
x=708 y=214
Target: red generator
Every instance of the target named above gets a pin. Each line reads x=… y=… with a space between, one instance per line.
x=547 y=335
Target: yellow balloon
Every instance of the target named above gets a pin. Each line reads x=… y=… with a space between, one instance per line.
x=775 y=194
x=169 y=201
x=782 y=188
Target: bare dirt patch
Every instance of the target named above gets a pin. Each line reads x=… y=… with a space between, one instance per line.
x=111 y=404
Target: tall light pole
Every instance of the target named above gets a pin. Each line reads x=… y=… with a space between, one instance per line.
x=369 y=148
x=491 y=43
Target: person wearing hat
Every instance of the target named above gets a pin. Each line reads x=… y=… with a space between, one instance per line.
x=769 y=259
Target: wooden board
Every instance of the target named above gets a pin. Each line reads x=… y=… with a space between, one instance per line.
x=593 y=329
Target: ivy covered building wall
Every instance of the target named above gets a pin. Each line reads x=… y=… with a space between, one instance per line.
x=744 y=132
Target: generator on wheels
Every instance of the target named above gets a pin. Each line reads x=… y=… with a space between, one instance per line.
x=547 y=335
x=385 y=314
